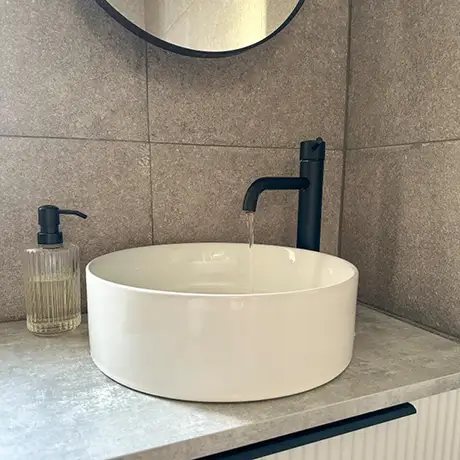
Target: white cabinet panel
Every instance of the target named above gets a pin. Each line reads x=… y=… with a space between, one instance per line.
x=431 y=434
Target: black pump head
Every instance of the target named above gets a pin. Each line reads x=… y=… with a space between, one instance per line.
x=48 y=219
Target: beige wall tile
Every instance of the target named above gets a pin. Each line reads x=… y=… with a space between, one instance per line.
x=290 y=89
x=232 y=25
x=69 y=70
x=202 y=25
x=108 y=180
x=405 y=79
x=198 y=194
x=401 y=227
x=134 y=10
x=162 y=14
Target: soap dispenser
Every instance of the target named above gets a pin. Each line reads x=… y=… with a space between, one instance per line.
x=52 y=277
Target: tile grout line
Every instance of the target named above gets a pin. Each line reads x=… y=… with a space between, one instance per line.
x=231 y=146
x=345 y=129
x=152 y=239
x=235 y=146
x=404 y=144
x=64 y=138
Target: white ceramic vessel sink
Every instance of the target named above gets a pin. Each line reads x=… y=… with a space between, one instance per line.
x=217 y=322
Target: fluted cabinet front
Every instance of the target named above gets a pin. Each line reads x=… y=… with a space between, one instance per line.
x=431 y=434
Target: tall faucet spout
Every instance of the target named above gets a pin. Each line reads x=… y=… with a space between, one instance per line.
x=271 y=183
x=310 y=187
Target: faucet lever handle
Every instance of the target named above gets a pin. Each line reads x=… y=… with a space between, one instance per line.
x=313 y=150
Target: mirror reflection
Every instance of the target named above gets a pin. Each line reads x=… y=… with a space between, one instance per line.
x=207 y=25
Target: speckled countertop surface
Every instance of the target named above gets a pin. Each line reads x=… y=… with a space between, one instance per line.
x=55 y=404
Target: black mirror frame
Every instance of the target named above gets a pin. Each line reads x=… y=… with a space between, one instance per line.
x=187 y=51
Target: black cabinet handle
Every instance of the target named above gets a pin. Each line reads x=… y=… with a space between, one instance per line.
x=302 y=438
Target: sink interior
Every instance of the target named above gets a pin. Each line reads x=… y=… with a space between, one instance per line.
x=216 y=268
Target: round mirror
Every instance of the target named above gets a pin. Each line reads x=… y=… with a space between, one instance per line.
x=204 y=28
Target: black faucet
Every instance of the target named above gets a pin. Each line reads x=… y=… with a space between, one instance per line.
x=310 y=186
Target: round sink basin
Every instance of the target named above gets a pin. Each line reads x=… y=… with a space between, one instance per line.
x=219 y=322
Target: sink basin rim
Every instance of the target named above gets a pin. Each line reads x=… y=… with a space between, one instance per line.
x=354 y=274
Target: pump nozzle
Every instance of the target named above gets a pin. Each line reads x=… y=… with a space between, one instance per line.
x=48 y=219
x=72 y=212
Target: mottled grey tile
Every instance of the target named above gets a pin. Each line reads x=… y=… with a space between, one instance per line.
x=332 y=201
x=108 y=180
x=401 y=227
x=405 y=83
x=69 y=70
x=290 y=89
x=198 y=194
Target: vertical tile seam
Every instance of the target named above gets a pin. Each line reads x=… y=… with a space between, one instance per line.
x=152 y=239
x=345 y=128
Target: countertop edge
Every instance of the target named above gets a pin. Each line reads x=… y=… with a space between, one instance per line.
x=263 y=431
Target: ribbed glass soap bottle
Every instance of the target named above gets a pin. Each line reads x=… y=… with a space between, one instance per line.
x=52 y=277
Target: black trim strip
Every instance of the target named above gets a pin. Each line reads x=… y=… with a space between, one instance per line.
x=302 y=438
x=187 y=51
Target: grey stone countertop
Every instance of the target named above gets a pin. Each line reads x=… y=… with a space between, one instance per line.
x=55 y=404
